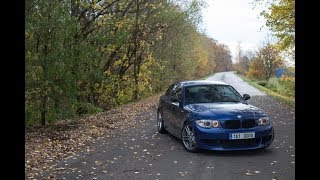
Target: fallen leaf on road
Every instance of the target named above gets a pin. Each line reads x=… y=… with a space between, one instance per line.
x=248 y=173
x=44 y=145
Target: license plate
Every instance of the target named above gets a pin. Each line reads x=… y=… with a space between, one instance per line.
x=248 y=135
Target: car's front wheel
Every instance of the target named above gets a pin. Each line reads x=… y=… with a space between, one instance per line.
x=160 y=124
x=188 y=138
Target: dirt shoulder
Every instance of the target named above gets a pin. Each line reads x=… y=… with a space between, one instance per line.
x=44 y=145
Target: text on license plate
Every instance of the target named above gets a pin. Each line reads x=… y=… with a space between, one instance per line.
x=248 y=135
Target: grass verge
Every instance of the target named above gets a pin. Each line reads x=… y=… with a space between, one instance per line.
x=288 y=100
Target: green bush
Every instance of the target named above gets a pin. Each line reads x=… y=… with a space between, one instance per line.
x=289 y=100
x=283 y=86
x=32 y=116
x=289 y=83
x=262 y=83
x=87 y=108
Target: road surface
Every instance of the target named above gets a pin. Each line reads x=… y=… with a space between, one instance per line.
x=145 y=154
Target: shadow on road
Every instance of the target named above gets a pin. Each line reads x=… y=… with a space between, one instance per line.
x=254 y=152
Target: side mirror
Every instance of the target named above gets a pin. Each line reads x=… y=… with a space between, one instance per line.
x=246 y=97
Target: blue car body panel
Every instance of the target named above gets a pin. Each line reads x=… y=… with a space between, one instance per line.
x=247 y=116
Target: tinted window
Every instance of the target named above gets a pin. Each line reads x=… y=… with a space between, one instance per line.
x=211 y=94
x=169 y=90
x=178 y=93
x=174 y=89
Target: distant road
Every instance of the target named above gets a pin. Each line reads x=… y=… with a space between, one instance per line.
x=236 y=82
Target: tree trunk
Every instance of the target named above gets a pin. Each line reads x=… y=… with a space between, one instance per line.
x=135 y=73
x=136 y=83
x=43 y=111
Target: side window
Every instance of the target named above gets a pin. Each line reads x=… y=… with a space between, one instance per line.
x=173 y=90
x=169 y=90
x=179 y=93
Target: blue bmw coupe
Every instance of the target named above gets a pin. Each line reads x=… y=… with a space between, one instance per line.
x=212 y=115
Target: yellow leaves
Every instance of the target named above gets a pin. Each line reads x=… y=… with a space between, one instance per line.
x=26 y=34
x=109 y=49
x=118 y=62
x=285 y=78
x=96 y=7
x=281 y=20
x=96 y=86
x=100 y=23
x=159 y=37
x=107 y=73
x=153 y=6
x=121 y=23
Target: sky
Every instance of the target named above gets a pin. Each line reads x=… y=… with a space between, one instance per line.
x=233 y=21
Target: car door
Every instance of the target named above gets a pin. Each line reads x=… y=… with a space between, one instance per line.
x=167 y=108
x=177 y=112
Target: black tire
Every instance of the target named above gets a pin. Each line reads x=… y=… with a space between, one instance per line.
x=160 y=123
x=188 y=138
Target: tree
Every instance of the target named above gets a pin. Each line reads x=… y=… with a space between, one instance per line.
x=280 y=18
x=268 y=59
x=50 y=86
x=83 y=56
x=242 y=60
x=222 y=58
x=243 y=63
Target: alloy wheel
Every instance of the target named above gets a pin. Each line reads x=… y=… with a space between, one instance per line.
x=188 y=138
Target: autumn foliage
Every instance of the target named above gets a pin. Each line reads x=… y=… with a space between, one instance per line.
x=84 y=57
x=263 y=66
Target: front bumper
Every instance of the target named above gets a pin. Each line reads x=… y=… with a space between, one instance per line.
x=218 y=138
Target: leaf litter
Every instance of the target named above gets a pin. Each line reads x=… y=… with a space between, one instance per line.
x=61 y=140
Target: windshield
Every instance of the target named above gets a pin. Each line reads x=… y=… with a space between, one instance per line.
x=211 y=94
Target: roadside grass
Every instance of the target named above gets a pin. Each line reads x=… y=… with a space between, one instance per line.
x=288 y=100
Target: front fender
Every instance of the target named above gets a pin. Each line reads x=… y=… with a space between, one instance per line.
x=187 y=119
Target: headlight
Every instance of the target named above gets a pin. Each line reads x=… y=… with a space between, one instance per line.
x=264 y=121
x=208 y=123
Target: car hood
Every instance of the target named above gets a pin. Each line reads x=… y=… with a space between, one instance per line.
x=224 y=110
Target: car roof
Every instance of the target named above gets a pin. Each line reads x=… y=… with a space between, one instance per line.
x=201 y=82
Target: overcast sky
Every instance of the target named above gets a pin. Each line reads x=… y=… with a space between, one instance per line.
x=233 y=21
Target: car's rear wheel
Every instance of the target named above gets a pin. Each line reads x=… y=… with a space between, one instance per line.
x=160 y=123
x=188 y=138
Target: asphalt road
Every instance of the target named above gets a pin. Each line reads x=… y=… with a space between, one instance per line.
x=145 y=154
